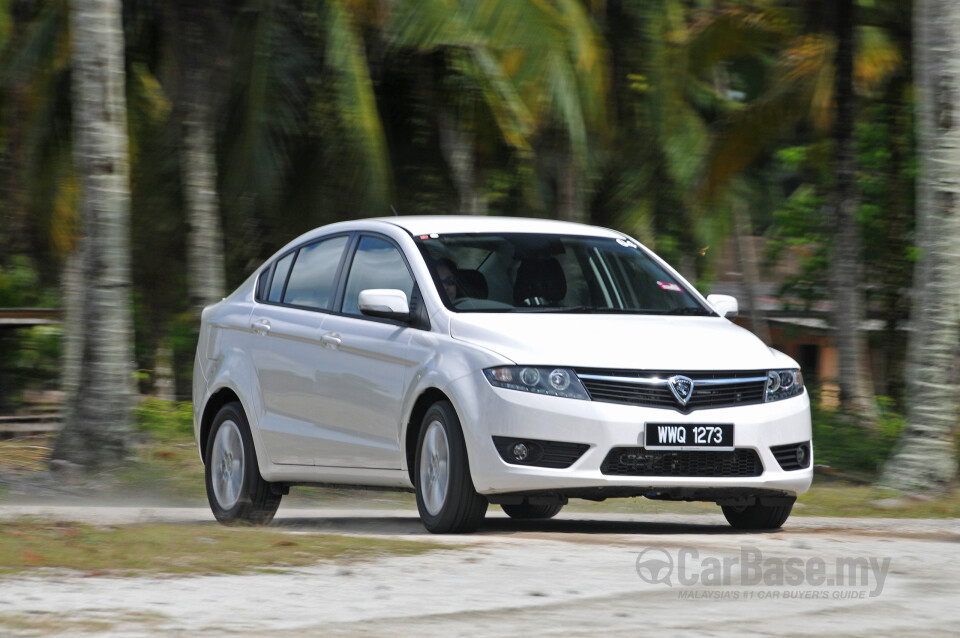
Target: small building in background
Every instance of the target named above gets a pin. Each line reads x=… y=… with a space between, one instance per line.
x=799 y=329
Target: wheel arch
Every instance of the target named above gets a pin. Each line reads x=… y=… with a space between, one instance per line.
x=427 y=398
x=217 y=400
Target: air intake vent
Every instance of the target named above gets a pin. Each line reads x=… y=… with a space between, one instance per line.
x=637 y=461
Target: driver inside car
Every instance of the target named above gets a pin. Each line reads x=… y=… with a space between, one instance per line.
x=445 y=273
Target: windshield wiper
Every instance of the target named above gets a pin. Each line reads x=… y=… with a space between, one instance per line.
x=587 y=310
x=689 y=311
x=535 y=309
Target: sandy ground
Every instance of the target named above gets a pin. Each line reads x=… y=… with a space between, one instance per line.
x=576 y=575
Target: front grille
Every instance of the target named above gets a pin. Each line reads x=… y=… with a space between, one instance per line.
x=637 y=461
x=649 y=388
x=786 y=455
x=553 y=454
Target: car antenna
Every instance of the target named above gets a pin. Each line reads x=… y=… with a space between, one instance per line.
x=394 y=211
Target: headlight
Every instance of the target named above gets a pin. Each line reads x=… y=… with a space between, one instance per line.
x=783 y=384
x=555 y=382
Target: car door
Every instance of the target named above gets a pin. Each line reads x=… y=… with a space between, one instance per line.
x=286 y=346
x=364 y=378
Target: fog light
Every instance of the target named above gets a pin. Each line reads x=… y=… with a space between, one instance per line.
x=802 y=456
x=520 y=452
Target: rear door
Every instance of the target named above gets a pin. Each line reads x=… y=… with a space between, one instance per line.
x=286 y=349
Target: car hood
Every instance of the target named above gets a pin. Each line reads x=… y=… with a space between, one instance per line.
x=617 y=341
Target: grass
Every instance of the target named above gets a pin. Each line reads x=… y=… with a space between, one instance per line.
x=209 y=548
x=91 y=622
x=23 y=454
x=828 y=498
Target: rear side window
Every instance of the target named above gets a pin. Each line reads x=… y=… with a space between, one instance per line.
x=313 y=279
x=376 y=264
x=280 y=278
x=262 y=283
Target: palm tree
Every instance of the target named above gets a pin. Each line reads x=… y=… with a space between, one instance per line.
x=302 y=90
x=856 y=387
x=199 y=42
x=814 y=80
x=926 y=457
x=96 y=427
x=537 y=70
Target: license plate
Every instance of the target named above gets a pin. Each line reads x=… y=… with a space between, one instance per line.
x=688 y=436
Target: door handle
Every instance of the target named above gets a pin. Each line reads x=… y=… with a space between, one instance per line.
x=261 y=327
x=331 y=339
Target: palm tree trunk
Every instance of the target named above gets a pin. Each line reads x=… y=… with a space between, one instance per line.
x=457 y=146
x=749 y=272
x=199 y=44
x=926 y=457
x=856 y=388
x=570 y=192
x=96 y=426
x=205 y=259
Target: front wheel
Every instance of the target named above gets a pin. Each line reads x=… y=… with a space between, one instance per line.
x=235 y=490
x=447 y=502
x=757 y=516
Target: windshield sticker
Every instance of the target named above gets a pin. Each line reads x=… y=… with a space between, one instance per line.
x=626 y=243
x=672 y=287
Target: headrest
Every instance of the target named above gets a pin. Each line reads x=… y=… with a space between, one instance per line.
x=539 y=282
x=472 y=284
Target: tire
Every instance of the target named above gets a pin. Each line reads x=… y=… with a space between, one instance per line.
x=447 y=502
x=527 y=511
x=235 y=490
x=757 y=516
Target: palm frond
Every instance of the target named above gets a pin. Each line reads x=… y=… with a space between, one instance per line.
x=43 y=46
x=749 y=132
x=512 y=116
x=357 y=105
x=268 y=105
x=734 y=32
x=876 y=59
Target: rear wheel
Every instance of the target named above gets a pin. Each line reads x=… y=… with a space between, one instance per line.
x=757 y=516
x=235 y=490
x=447 y=502
x=528 y=511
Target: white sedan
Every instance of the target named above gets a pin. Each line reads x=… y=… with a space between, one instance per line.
x=489 y=360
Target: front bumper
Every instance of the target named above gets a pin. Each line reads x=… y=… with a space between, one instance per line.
x=486 y=412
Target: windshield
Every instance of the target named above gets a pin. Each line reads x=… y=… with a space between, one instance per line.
x=523 y=272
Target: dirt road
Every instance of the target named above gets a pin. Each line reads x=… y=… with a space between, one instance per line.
x=577 y=575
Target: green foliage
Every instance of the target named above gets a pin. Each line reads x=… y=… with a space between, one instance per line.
x=165 y=420
x=20 y=286
x=844 y=445
x=29 y=357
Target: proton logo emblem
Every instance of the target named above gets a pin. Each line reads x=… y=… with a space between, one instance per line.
x=655 y=565
x=682 y=388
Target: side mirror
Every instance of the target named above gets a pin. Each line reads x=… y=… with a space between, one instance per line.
x=384 y=303
x=725 y=305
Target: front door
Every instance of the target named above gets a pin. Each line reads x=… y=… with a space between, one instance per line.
x=369 y=367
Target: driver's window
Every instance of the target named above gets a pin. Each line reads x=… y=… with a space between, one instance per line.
x=376 y=264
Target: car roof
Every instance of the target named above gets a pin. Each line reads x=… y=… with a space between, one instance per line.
x=454 y=224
